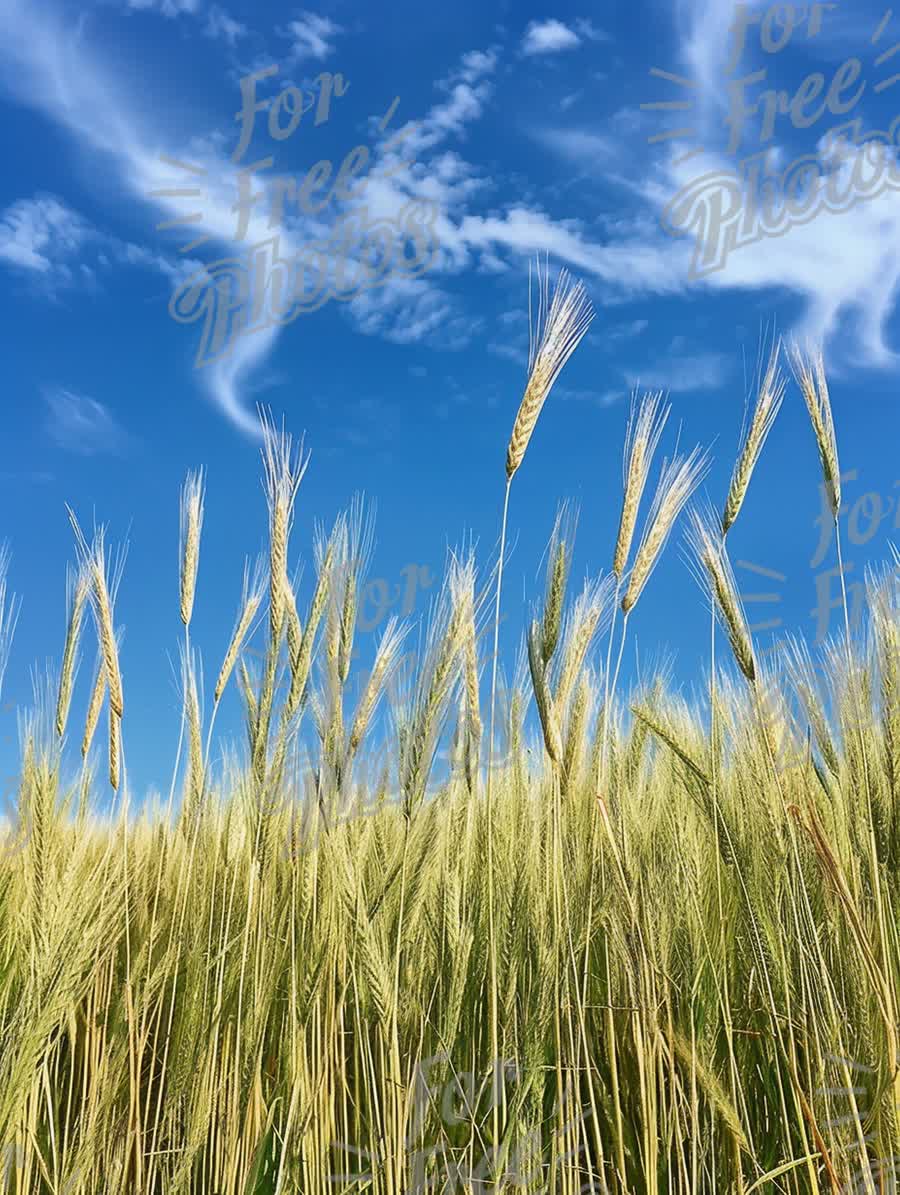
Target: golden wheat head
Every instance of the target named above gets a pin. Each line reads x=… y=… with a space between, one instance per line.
x=678 y=480
x=554 y=335
x=709 y=548
x=768 y=403
x=645 y=426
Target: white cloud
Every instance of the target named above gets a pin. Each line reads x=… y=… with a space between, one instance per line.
x=83 y=425
x=476 y=64
x=312 y=36
x=42 y=234
x=549 y=37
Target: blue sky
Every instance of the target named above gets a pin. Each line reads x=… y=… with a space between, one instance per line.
x=524 y=134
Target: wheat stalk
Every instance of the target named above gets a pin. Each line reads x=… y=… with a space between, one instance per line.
x=191 y=524
x=678 y=480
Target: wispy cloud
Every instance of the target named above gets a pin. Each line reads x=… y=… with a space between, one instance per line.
x=312 y=36
x=222 y=27
x=42 y=234
x=683 y=374
x=168 y=8
x=82 y=425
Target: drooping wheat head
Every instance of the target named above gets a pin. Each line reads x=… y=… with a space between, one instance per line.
x=191 y=526
x=678 y=480
x=386 y=659
x=555 y=330
x=542 y=697
x=98 y=692
x=769 y=398
x=711 y=553
x=250 y=602
x=103 y=590
x=300 y=668
x=645 y=426
x=588 y=618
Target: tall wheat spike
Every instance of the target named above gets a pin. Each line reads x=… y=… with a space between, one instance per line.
x=555 y=331
x=191 y=525
x=554 y=335
x=768 y=403
x=645 y=427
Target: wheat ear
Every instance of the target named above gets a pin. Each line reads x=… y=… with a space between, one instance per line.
x=93 y=559
x=250 y=603
x=768 y=403
x=283 y=470
x=79 y=589
x=93 y=712
x=191 y=524
x=115 y=748
x=678 y=480
x=554 y=335
x=543 y=700
x=645 y=426
x=709 y=548
x=809 y=371
x=386 y=659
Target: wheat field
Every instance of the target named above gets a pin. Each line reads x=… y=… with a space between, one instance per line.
x=620 y=944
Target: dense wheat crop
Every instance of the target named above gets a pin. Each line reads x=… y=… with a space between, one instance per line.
x=664 y=956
